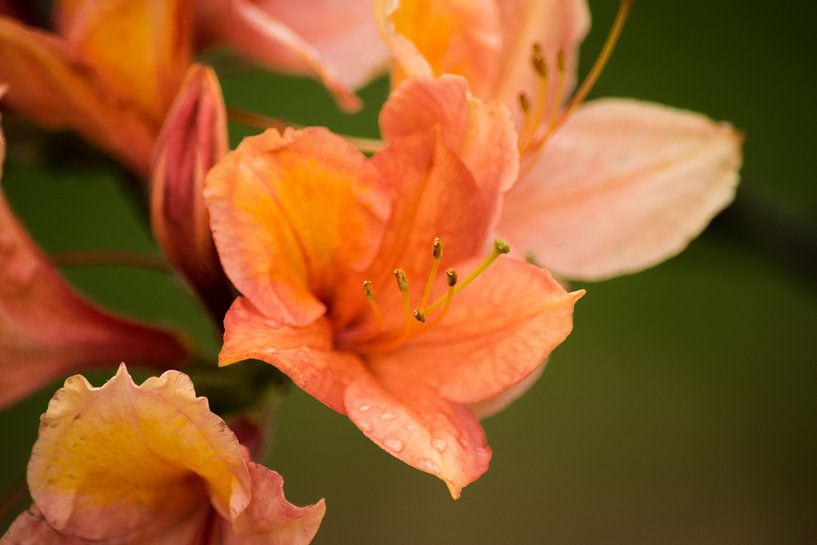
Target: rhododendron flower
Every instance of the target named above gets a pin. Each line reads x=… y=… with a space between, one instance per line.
x=110 y=72
x=365 y=281
x=128 y=465
x=48 y=330
x=193 y=138
x=336 y=40
x=606 y=188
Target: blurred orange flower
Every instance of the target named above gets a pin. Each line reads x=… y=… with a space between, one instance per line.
x=130 y=464
x=48 y=330
x=308 y=229
x=606 y=188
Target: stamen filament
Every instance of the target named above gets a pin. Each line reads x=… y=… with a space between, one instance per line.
x=624 y=8
x=560 y=88
x=533 y=117
x=437 y=252
x=402 y=285
x=500 y=247
x=451 y=275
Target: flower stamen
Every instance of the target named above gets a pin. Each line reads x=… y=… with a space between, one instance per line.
x=368 y=292
x=437 y=253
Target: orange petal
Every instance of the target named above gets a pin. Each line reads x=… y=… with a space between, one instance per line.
x=54 y=89
x=416 y=425
x=434 y=37
x=556 y=25
x=622 y=186
x=498 y=331
x=193 y=138
x=48 y=330
x=312 y=45
x=123 y=461
x=291 y=214
x=305 y=354
x=434 y=195
x=140 y=48
x=269 y=518
x=481 y=133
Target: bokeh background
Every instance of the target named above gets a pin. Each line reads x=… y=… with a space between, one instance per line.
x=682 y=410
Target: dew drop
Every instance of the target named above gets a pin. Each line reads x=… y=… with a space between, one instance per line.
x=439 y=444
x=363 y=408
x=387 y=416
x=274 y=323
x=365 y=426
x=430 y=465
x=410 y=426
x=394 y=444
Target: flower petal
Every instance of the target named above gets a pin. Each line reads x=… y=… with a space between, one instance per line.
x=556 y=25
x=140 y=48
x=262 y=32
x=481 y=133
x=498 y=331
x=416 y=425
x=48 y=330
x=290 y=215
x=124 y=460
x=622 y=186
x=305 y=354
x=193 y=138
x=56 y=90
x=269 y=518
x=435 y=37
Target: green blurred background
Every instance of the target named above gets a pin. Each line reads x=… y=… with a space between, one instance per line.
x=682 y=410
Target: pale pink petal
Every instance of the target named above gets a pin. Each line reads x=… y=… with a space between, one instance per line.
x=556 y=25
x=413 y=423
x=480 y=133
x=500 y=402
x=31 y=529
x=344 y=33
x=498 y=331
x=622 y=186
x=124 y=461
x=193 y=139
x=305 y=354
x=269 y=518
x=260 y=35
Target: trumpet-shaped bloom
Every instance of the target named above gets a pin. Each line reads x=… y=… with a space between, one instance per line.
x=339 y=259
x=125 y=464
x=337 y=41
x=615 y=187
x=48 y=330
x=110 y=72
x=193 y=138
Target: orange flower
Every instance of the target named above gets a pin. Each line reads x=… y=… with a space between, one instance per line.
x=606 y=188
x=125 y=464
x=48 y=330
x=336 y=41
x=110 y=72
x=340 y=260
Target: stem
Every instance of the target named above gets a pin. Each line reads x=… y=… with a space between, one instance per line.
x=110 y=258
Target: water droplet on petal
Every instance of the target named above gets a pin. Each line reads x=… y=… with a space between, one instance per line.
x=410 y=426
x=429 y=465
x=364 y=407
x=274 y=323
x=387 y=416
x=439 y=444
x=365 y=426
x=394 y=444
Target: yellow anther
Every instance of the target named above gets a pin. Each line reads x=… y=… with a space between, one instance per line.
x=368 y=292
x=451 y=277
x=437 y=248
x=402 y=281
x=501 y=246
x=368 y=289
x=419 y=315
x=537 y=60
x=524 y=103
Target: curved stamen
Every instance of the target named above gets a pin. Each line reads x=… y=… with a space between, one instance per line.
x=368 y=292
x=437 y=253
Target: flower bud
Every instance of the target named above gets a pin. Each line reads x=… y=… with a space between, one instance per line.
x=193 y=139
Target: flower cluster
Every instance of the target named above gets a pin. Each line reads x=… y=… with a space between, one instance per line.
x=407 y=287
